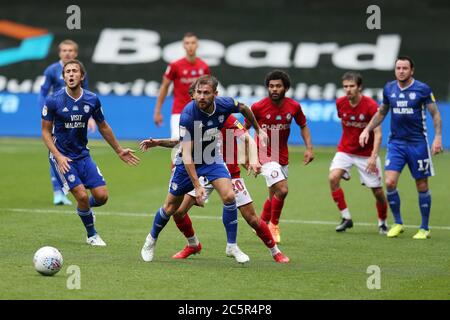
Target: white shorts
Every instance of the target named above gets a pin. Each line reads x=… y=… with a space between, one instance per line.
x=240 y=190
x=175 y=126
x=274 y=172
x=345 y=161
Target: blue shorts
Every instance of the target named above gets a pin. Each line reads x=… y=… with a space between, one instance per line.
x=180 y=183
x=82 y=171
x=416 y=155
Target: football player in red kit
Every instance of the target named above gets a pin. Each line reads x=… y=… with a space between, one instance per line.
x=274 y=115
x=355 y=111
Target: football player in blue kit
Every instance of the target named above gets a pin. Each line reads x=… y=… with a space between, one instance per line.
x=53 y=82
x=200 y=123
x=65 y=115
x=407 y=99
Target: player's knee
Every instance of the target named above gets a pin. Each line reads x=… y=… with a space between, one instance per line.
x=101 y=199
x=82 y=198
x=334 y=181
x=282 y=192
x=391 y=184
x=229 y=197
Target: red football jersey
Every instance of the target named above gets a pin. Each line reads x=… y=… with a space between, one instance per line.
x=183 y=74
x=237 y=130
x=276 y=120
x=354 y=120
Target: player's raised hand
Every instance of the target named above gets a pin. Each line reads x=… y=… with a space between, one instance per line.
x=364 y=138
x=127 y=155
x=147 y=144
x=308 y=156
x=158 y=119
x=436 y=147
x=200 y=194
x=63 y=163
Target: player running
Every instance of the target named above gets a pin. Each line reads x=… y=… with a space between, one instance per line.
x=200 y=125
x=407 y=99
x=274 y=114
x=232 y=129
x=65 y=114
x=355 y=111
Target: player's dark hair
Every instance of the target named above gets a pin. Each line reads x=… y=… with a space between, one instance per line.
x=189 y=35
x=208 y=80
x=353 y=76
x=278 y=75
x=406 y=58
x=82 y=68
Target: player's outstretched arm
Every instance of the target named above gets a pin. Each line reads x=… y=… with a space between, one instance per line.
x=152 y=143
x=250 y=117
x=252 y=164
x=376 y=120
x=436 y=147
x=126 y=155
x=306 y=136
x=63 y=161
x=157 y=116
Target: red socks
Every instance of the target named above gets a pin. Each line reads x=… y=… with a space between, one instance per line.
x=266 y=213
x=338 y=197
x=276 y=206
x=382 y=210
x=184 y=225
x=264 y=234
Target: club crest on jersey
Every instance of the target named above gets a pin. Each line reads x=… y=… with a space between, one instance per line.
x=75 y=108
x=361 y=117
x=401 y=96
x=71 y=178
x=288 y=116
x=65 y=109
x=221 y=118
x=412 y=95
x=86 y=108
x=278 y=117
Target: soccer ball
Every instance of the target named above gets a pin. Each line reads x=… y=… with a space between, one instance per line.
x=47 y=261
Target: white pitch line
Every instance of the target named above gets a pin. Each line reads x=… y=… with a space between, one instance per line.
x=142 y=214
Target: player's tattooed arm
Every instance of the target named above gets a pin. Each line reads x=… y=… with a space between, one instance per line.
x=151 y=143
x=376 y=120
x=250 y=117
x=436 y=147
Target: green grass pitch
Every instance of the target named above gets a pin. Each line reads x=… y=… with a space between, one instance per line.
x=324 y=264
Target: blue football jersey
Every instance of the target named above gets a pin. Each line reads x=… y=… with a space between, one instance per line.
x=53 y=81
x=70 y=118
x=204 y=129
x=408 y=110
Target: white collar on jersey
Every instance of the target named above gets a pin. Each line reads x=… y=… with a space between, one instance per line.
x=402 y=89
x=75 y=100
x=209 y=114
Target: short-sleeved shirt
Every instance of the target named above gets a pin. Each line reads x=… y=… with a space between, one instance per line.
x=354 y=120
x=204 y=129
x=276 y=120
x=183 y=73
x=53 y=81
x=408 y=110
x=70 y=117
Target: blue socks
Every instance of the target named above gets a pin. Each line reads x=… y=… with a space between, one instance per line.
x=425 y=206
x=160 y=221
x=229 y=218
x=394 y=203
x=88 y=220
